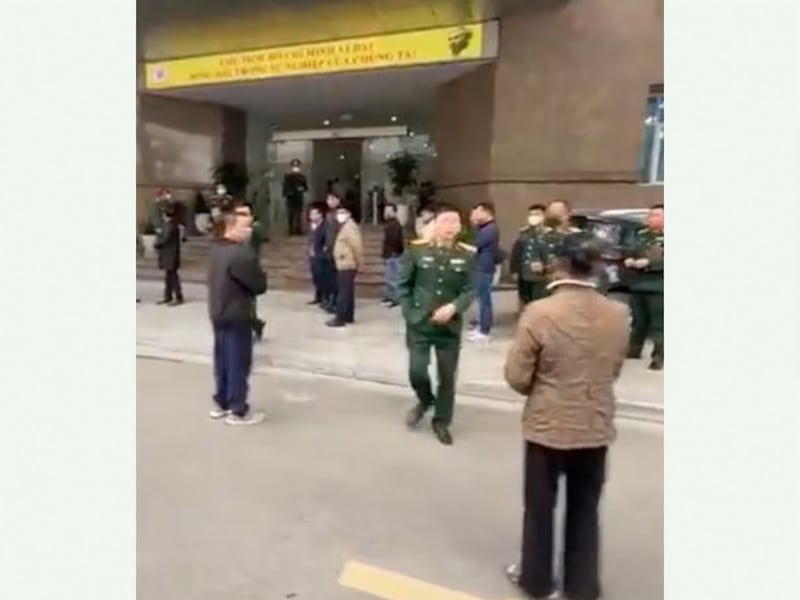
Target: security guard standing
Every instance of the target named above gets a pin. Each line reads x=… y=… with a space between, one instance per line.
x=434 y=291
x=557 y=227
x=294 y=188
x=528 y=258
x=644 y=274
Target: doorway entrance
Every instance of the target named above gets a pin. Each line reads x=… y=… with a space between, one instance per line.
x=337 y=168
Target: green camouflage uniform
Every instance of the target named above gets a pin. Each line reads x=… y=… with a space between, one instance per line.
x=432 y=276
x=647 y=292
x=529 y=248
x=552 y=242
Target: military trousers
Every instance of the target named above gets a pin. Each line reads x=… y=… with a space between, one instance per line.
x=647 y=312
x=447 y=348
x=531 y=290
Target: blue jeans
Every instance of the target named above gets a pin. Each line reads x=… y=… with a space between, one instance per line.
x=483 y=292
x=233 y=357
x=391 y=274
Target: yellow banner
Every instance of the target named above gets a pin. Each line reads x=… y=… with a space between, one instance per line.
x=379 y=52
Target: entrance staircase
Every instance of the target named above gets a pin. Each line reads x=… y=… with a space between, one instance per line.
x=285 y=260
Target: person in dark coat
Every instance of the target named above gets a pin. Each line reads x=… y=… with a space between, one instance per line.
x=168 y=244
x=294 y=188
x=331 y=226
x=317 y=260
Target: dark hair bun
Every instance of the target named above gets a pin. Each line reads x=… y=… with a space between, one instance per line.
x=581 y=253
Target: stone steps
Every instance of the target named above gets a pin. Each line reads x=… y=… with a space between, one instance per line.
x=284 y=259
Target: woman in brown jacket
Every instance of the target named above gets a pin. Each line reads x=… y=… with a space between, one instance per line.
x=567 y=352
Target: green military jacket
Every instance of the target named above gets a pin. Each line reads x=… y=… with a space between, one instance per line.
x=529 y=248
x=649 y=244
x=552 y=241
x=432 y=276
x=155 y=210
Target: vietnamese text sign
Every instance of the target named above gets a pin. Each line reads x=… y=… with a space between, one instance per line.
x=392 y=50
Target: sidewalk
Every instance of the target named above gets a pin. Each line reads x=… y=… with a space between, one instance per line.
x=371 y=350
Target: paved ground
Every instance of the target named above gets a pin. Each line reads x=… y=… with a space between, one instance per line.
x=334 y=479
x=371 y=350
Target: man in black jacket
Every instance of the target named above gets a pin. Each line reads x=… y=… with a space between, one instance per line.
x=168 y=244
x=235 y=278
x=294 y=188
x=393 y=248
x=329 y=266
x=317 y=260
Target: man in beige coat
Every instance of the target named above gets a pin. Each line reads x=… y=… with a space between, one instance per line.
x=348 y=254
x=567 y=352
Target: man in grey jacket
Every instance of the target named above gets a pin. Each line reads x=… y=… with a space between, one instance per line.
x=235 y=278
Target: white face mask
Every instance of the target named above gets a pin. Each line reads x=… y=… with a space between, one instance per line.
x=221 y=191
x=534 y=220
x=341 y=217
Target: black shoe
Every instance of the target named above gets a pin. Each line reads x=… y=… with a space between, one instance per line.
x=392 y=304
x=415 y=415
x=164 y=301
x=313 y=302
x=442 y=433
x=657 y=364
x=335 y=323
x=175 y=302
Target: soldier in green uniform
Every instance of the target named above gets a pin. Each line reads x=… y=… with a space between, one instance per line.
x=557 y=226
x=434 y=291
x=156 y=209
x=644 y=274
x=527 y=259
x=294 y=188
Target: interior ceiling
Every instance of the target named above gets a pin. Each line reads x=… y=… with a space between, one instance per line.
x=370 y=97
x=170 y=28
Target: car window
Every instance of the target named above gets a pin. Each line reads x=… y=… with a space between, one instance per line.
x=606 y=231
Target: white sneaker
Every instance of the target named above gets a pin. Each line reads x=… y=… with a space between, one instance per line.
x=479 y=337
x=251 y=418
x=513 y=573
x=218 y=413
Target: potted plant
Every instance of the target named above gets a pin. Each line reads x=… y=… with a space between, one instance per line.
x=403 y=176
x=233 y=176
x=148 y=239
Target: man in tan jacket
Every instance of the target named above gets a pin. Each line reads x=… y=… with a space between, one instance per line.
x=348 y=254
x=567 y=352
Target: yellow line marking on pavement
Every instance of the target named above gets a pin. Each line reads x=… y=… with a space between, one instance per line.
x=394 y=586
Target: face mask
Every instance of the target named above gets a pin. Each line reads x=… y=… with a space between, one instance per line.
x=341 y=218
x=295 y=169
x=534 y=220
x=220 y=191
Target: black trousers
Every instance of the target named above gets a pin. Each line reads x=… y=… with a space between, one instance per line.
x=531 y=290
x=233 y=359
x=295 y=213
x=346 y=295
x=584 y=471
x=318 y=274
x=172 y=285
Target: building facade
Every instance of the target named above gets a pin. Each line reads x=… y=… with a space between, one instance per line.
x=562 y=99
